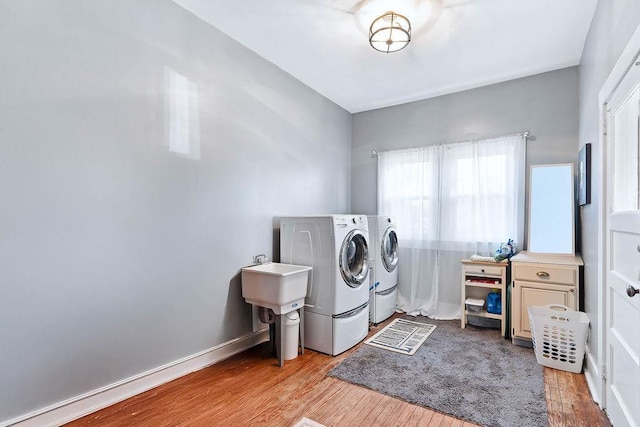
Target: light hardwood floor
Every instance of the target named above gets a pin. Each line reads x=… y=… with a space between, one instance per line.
x=250 y=389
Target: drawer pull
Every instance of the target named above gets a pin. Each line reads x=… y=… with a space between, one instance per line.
x=542 y=274
x=572 y=290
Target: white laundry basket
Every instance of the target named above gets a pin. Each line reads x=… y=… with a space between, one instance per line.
x=559 y=336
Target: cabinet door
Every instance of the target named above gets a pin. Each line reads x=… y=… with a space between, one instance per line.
x=526 y=294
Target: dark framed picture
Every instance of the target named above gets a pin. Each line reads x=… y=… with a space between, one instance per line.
x=584 y=175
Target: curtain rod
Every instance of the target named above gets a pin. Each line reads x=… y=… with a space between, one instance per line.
x=526 y=134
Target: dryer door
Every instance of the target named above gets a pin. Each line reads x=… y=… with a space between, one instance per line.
x=389 y=249
x=354 y=258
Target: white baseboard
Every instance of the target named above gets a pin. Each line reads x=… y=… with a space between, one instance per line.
x=84 y=404
x=592 y=375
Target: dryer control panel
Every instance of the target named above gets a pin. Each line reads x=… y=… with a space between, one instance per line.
x=358 y=220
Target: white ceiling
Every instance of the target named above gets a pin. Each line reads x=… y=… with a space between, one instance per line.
x=456 y=44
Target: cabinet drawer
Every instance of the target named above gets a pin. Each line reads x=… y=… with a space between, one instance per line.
x=545 y=273
x=483 y=270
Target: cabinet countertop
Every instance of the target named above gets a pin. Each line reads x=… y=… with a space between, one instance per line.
x=535 y=258
x=496 y=263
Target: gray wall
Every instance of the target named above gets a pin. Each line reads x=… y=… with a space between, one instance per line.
x=117 y=255
x=545 y=104
x=611 y=29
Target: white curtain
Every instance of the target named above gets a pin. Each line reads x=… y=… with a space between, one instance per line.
x=450 y=201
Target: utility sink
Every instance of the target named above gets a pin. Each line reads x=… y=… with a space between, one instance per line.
x=280 y=287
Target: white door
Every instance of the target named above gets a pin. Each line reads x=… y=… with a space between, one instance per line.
x=622 y=253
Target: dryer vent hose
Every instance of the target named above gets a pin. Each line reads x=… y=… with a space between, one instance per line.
x=266 y=315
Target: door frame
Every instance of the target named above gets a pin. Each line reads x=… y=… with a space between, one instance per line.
x=594 y=373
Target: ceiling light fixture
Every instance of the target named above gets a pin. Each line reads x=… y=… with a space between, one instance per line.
x=390 y=32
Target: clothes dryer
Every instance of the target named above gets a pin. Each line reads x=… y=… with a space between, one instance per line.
x=383 y=279
x=337 y=301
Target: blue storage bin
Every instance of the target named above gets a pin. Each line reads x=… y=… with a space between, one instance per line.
x=494 y=303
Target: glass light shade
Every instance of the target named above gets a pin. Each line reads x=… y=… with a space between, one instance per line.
x=390 y=32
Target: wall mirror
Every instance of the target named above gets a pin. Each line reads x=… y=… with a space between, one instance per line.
x=551 y=209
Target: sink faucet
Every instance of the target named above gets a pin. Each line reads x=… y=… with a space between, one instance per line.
x=260 y=259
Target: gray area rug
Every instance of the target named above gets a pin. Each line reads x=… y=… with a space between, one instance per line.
x=473 y=374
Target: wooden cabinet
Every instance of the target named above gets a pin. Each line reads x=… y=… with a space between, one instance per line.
x=478 y=279
x=541 y=279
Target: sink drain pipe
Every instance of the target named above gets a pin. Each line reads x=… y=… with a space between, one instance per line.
x=266 y=315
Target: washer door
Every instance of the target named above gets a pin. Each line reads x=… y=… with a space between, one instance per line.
x=389 y=249
x=354 y=259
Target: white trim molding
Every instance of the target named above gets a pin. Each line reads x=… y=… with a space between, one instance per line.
x=593 y=377
x=87 y=403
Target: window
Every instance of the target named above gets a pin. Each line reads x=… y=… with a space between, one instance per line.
x=455 y=196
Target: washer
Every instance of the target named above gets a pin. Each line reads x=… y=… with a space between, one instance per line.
x=337 y=301
x=383 y=279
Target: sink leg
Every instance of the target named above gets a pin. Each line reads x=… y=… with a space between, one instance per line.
x=279 y=334
x=272 y=337
x=301 y=330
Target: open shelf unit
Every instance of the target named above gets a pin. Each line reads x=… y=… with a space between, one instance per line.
x=478 y=279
